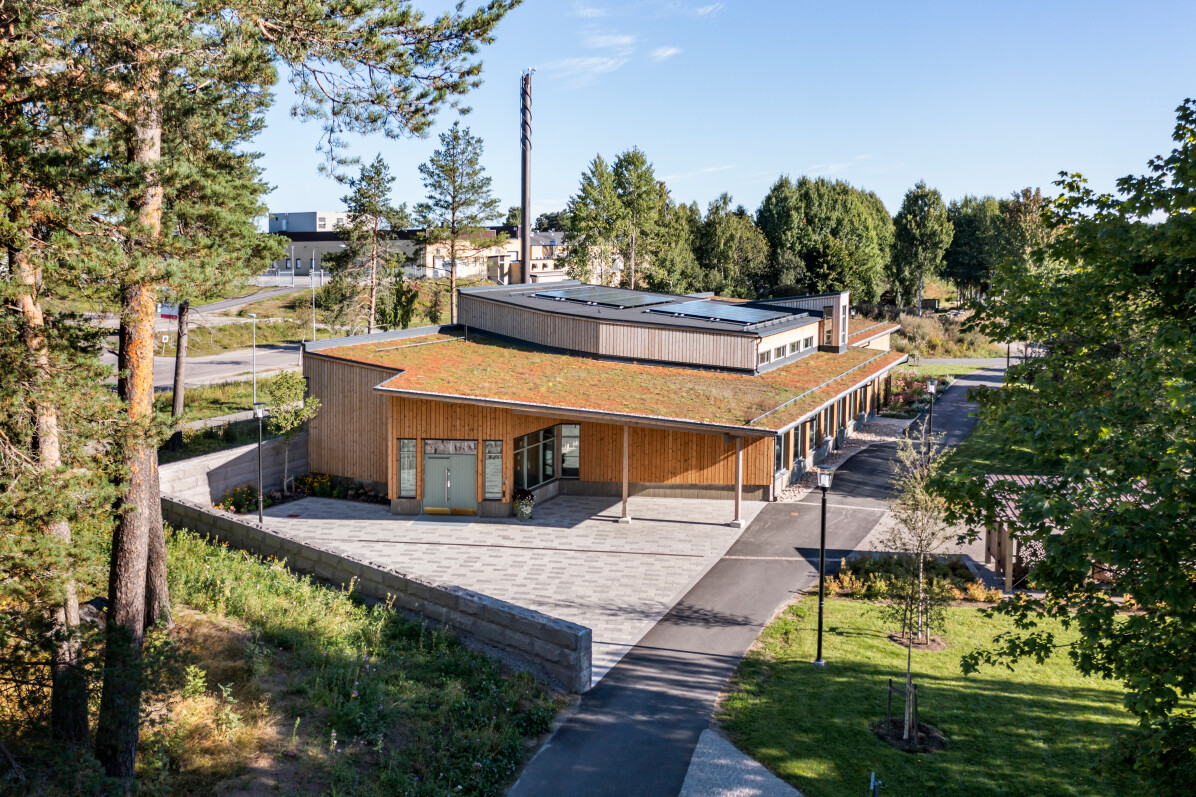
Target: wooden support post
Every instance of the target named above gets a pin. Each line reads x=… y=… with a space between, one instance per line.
x=626 y=518
x=1007 y=545
x=738 y=521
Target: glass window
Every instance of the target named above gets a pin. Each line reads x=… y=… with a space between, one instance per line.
x=800 y=437
x=406 y=468
x=828 y=324
x=778 y=453
x=765 y=357
x=794 y=347
x=570 y=451
x=809 y=342
x=778 y=352
x=492 y=470
x=535 y=458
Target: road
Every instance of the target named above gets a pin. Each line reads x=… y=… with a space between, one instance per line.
x=635 y=732
x=224 y=367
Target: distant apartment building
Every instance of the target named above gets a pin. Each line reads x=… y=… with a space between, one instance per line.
x=313 y=237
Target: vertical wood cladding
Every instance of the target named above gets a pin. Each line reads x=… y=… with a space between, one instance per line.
x=347 y=436
x=631 y=341
x=658 y=456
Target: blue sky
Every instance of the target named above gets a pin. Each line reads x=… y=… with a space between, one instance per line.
x=726 y=96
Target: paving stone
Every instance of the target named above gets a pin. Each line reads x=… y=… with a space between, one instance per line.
x=573 y=561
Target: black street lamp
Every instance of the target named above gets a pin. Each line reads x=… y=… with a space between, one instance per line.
x=259 y=412
x=824 y=484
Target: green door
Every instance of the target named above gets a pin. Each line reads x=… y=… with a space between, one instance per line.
x=450 y=484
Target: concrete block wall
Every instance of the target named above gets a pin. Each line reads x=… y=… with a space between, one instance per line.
x=554 y=650
x=205 y=479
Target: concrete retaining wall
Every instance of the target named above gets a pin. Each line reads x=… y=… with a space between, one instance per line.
x=205 y=479
x=551 y=649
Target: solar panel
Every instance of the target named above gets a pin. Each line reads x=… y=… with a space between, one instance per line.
x=607 y=297
x=727 y=313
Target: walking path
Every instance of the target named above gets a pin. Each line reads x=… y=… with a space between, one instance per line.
x=636 y=731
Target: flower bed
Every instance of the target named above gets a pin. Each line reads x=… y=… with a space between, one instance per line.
x=910 y=397
x=242 y=499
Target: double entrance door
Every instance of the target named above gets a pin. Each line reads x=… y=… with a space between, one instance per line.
x=450 y=477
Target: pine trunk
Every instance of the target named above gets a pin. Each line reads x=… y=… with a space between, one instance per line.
x=68 y=690
x=453 y=278
x=180 y=373
x=141 y=516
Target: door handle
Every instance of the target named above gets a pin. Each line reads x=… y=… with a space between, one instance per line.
x=448 y=479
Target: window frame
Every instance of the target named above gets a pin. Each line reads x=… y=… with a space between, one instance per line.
x=414 y=467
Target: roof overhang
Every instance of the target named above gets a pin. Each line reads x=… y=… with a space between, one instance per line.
x=580 y=413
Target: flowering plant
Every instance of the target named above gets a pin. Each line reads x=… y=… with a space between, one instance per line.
x=525 y=502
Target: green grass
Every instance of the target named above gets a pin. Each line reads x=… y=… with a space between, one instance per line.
x=234 y=337
x=939 y=370
x=986 y=450
x=211 y=401
x=368 y=703
x=1037 y=730
x=197 y=442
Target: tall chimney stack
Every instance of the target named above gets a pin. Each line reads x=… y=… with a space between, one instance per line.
x=525 y=142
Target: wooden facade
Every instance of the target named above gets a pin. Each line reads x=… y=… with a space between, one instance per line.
x=658 y=456
x=711 y=348
x=346 y=435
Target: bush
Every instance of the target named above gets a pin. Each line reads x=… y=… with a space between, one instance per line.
x=870 y=577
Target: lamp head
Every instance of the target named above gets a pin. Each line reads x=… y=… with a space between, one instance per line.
x=824 y=478
x=259 y=409
x=253 y=315
x=932 y=385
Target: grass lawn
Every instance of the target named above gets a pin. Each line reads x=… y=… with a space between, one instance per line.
x=233 y=337
x=298 y=688
x=211 y=401
x=939 y=370
x=1034 y=731
x=986 y=450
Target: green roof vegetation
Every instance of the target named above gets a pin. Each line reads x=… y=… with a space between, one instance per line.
x=484 y=368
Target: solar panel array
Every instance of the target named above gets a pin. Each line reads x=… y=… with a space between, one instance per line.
x=607 y=297
x=727 y=313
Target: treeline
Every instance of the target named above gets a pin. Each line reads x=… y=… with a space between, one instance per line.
x=126 y=168
x=810 y=235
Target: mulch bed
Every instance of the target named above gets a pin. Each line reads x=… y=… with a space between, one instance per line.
x=935 y=643
x=929 y=740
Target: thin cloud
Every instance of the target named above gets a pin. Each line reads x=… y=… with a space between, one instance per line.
x=583 y=71
x=707 y=10
x=663 y=53
x=608 y=40
x=588 y=12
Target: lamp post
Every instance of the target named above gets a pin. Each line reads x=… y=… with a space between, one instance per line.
x=259 y=412
x=824 y=484
x=254 y=366
x=313 y=304
x=931 y=387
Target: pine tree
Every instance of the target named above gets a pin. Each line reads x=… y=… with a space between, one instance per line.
x=371 y=216
x=166 y=76
x=458 y=204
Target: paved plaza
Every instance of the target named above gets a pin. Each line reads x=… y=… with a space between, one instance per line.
x=572 y=561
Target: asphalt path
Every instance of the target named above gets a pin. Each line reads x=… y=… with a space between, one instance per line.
x=224 y=367
x=635 y=732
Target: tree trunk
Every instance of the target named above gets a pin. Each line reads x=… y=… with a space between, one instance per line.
x=921 y=593
x=180 y=374
x=631 y=264
x=68 y=690
x=141 y=516
x=453 y=278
